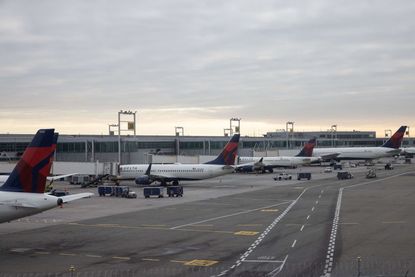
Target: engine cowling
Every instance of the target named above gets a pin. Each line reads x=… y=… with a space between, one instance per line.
x=143 y=180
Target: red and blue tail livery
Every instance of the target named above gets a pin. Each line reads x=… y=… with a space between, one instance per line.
x=395 y=141
x=307 y=150
x=229 y=153
x=30 y=173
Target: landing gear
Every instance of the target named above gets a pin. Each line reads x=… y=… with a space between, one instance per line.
x=175 y=183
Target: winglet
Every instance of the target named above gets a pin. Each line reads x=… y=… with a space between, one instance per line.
x=148 y=171
x=31 y=171
x=229 y=152
x=307 y=150
x=395 y=141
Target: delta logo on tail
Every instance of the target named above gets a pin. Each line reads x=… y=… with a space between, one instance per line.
x=229 y=153
x=30 y=173
x=396 y=140
x=308 y=148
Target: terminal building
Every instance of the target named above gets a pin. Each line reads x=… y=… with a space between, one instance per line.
x=143 y=149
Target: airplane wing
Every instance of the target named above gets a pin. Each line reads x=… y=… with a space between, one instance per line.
x=57 y=177
x=331 y=156
x=72 y=197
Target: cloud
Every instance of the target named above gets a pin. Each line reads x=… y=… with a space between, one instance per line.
x=194 y=61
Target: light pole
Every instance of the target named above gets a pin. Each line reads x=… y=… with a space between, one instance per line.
x=291 y=130
x=237 y=125
x=131 y=126
x=333 y=134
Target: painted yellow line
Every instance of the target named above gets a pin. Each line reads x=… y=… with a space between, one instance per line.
x=201 y=263
x=150 y=260
x=155 y=225
x=348 y=223
x=42 y=253
x=93 y=256
x=203 y=225
x=393 y=222
x=67 y=254
x=121 y=258
x=246 y=233
x=249 y=225
x=270 y=210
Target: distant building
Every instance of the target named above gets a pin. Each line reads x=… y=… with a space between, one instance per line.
x=104 y=148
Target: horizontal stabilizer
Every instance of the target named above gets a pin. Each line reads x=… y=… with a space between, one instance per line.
x=72 y=197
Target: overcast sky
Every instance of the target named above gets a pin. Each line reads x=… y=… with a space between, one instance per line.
x=73 y=64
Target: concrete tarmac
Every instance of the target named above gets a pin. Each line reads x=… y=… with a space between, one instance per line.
x=239 y=225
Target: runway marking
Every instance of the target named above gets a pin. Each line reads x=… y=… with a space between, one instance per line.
x=319 y=196
x=246 y=233
x=270 y=210
x=42 y=253
x=151 y=225
x=20 y=250
x=93 y=256
x=322 y=191
x=154 y=228
x=294 y=242
x=176 y=261
x=262 y=261
x=308 y=217
x=302 y=227
x=348 y=223
x=330 y=252
x=316 y=202
x=312 y=209
x=249 y=225
x=278 y=269
x=201 y=263
x=261 y=237
x=150 y=260
x=393 y=222
x=121 y=258
x=67 y=254
x=203 y=225
x=229 y=215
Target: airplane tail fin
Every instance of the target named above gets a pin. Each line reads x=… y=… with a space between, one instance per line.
x=395 y=141
x=228 y=154
x=31 y=171
x=307 y=150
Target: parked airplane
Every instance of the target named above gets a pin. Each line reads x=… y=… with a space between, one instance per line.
x=408 y=151
x=389 y=149
x=262 y=164
x=145 y=174
x=23 y=192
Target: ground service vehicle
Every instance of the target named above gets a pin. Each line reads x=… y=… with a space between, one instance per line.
x=371 y=173
x=282 y=176
x=338 y=166
x=328 y=170
x=304 y=175
x=153 y=191
x=175 y=191
x=388 y=166
x=344 y=175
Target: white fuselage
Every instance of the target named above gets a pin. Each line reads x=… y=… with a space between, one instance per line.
x=3 y=179
x=357 y=153
x=14 y=205
x=176 y=171
x=408 y=150
x=279 y=161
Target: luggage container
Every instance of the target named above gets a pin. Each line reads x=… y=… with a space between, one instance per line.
x=175 y=191
x=153 y=191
